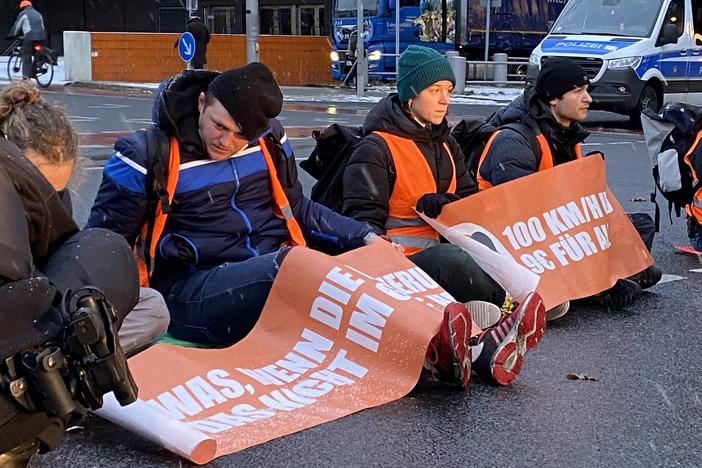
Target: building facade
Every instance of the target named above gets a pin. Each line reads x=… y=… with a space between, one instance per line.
x=279 y=17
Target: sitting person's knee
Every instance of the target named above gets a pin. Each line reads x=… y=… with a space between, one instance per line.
x=145 y=323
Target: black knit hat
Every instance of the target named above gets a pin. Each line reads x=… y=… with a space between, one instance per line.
x=251 y=96
x=557 y=76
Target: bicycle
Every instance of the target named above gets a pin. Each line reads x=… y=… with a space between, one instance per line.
x=43 y=62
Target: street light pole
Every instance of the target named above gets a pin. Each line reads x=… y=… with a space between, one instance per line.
x=487 y=36
x=397 y=37
x=360 y=56
x=192 y=7
x=252 y=23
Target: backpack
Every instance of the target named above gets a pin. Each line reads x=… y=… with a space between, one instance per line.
x=333 y=148
x=158 y=159
x=472 y=135
x=670 y=136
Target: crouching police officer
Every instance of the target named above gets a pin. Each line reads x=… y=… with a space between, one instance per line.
x=63 y=292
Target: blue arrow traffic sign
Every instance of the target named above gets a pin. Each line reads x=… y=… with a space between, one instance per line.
x=186 y=46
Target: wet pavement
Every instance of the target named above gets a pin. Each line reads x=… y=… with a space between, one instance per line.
x=643 y=409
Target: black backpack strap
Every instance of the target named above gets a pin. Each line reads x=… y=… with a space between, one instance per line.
x=158 y=154
x=657 y=212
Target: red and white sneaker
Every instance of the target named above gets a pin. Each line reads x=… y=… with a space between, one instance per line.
x=499 y=350
x=448 y=357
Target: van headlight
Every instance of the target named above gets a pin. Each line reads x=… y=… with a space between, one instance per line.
x=624 y=62
x=334 y=55
x=534 y=59
x=375 y=56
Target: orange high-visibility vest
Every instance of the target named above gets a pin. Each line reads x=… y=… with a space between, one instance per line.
x=159 y=221
x=694 y=209
x=546 y=157
x=281 y=208
x=281 y=205
x=413 y=179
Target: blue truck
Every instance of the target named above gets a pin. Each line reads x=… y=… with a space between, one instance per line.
x=516 y=28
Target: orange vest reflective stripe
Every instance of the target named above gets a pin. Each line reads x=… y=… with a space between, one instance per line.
x=281 y=204
x=159 y=224
x=546 y=157
x=694 y=209
x=413 y=179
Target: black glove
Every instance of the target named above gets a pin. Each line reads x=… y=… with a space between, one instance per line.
x=595 y=153
x=431 y=203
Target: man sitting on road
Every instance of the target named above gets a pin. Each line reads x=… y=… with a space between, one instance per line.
x=236 y=210
x=551 y=111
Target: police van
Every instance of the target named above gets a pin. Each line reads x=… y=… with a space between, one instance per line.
x=637 y=53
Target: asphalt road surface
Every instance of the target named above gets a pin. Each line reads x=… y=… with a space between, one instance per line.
x=644 y=409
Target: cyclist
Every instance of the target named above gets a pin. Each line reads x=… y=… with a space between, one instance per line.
x=30 y=27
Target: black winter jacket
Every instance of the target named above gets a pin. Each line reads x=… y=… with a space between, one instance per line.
x=35 y=223
x=29 y=25
x=511 y=155
x=369 y=177
x=35 y=219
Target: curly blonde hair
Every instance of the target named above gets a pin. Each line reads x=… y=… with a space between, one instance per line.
x=31 y=122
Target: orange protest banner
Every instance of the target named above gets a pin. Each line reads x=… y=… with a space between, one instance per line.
x=337 y=335
x=563 y=224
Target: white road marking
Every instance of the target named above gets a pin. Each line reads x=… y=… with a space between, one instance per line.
x=631 y=143
x=696 y=270
x=140 y=121
x=109 y=106
x=81 y=118
x=332 y=120
x=670 y=278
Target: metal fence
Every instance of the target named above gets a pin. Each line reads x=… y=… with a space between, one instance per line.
x=484 y=72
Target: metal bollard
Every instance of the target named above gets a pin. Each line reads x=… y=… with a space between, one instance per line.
x=458 y=65
x=500 y=68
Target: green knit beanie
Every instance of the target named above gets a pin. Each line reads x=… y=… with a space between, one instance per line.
x=421 y=67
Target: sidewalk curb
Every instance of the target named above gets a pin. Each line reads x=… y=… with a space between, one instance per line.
x=111 y=86
x=138 y=87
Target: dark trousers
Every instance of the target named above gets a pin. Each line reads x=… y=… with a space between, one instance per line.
x=456 y=271
x=645 y=227
x=97 y=257
x=27 y=55
x=93 y=257
x=221 y=305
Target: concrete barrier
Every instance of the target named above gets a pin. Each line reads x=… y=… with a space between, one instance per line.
x=458 y=65
x=500 y=67
x=76 y=59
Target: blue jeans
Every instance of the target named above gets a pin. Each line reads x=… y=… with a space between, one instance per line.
x=694 y=231
x=696 y=241
x=221 y=305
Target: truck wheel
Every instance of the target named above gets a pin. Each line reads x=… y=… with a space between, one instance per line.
x=648 y=99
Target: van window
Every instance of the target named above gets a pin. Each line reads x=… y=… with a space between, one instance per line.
x=624 y=18
x=697 y=22
x=676 y=15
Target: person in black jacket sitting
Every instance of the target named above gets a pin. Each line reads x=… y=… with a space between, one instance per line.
x=409 y=159
x=553 y=108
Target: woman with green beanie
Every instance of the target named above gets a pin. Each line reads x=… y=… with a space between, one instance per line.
x=409 y=160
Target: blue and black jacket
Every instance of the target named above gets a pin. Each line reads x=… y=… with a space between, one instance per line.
x=222 y=211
